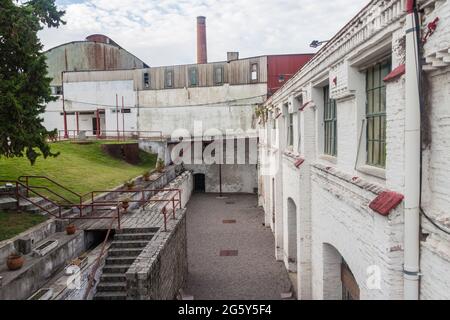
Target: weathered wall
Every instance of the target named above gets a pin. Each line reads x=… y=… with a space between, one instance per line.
x=341 y=187
x=161 y=269
x=21 y=284
x=87 y=55
x=200 y=108
x=235 y=178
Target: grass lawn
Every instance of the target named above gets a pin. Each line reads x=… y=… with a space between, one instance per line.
x=11 y=224
x=81 y=168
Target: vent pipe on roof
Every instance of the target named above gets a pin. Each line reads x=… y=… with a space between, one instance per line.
x=201 y=41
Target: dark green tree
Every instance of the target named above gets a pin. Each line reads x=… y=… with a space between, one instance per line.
x=24 y=84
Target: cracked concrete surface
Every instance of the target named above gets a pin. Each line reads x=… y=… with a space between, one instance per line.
x=254 y=273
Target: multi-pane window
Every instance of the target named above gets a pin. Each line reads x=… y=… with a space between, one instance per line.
x=193 y=77
x=376 y=113
x=146 y=80
x=168 y=78
x=330 y=123
x=56 y=90
x=218 y=75
x=290 y=129
x=254 y=72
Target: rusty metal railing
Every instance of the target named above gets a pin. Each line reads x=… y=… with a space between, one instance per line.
x=111 y=135
x=17 y=194
x=91 y=276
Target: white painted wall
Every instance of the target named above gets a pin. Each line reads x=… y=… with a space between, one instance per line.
x=172 y=109
x=339 y=193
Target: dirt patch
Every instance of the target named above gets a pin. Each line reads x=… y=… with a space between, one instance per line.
x=128 y=152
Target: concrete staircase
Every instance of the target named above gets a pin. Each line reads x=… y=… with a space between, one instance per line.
x=27 y=206
x=127 y=245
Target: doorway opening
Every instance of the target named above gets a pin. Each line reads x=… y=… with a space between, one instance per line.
x=199 y=183
x=94 y=126
x=350 y=289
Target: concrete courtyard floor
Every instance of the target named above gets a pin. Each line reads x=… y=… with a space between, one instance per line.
x=253 y=273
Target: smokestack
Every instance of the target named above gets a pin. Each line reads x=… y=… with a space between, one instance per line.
x=201 y=40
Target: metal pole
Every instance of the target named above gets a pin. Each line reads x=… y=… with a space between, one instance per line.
x=66 y=135
x=78 y=124
x=17 y=196
x=123 y=120
x=165 y=219
x=118 y=217
x=117 y=117
x=173 y=206
x=220 y=179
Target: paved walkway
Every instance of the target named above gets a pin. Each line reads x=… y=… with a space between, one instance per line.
x=253 y=273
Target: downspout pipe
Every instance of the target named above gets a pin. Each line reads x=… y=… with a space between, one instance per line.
x=412 y=156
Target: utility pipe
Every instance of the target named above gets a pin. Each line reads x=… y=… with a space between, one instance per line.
x=412 y=156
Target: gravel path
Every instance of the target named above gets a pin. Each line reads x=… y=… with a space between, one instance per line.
x=254 y=273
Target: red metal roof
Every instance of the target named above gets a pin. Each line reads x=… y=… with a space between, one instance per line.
x=397 y=72
x=285 y=66
x=385 y=202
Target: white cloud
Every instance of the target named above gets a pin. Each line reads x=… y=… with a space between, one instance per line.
x=164 y=32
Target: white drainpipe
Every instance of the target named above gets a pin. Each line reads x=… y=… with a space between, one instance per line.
x=412 y=158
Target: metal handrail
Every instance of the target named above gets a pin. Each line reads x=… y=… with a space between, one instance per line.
x=28 y=177
x=17 y=194
x=68 y=203
x=110 y=134
x=91 y=276
x=59 y=206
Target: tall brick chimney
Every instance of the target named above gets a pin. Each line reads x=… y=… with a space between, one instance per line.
x=202 y=56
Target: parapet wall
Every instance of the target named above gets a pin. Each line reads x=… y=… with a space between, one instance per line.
x=161 y=269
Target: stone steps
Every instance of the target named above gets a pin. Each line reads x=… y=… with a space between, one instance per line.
x=121 y=260
x=113 y=277
x=127 y=245
x=124 y=252
x=116 y=268
x=110 y=296
x=137 y=230
x=112 y=287
x=134 y=236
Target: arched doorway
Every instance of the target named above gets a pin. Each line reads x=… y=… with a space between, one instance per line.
x=292 y=235
x=339 y=283
x=199 y=183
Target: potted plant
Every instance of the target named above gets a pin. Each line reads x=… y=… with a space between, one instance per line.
x=129 y=184
x=146 y=175
x=126 y=204
x=15 y=261
x=71 y=228
x=160 y=165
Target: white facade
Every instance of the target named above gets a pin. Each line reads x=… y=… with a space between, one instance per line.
x=320 y=208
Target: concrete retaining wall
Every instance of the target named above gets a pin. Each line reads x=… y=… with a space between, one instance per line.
x=21 y=284
x=161 y=270
x=35 y=234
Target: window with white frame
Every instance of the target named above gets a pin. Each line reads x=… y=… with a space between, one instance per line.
x=168 y=78
x=254 y=72
x=218 y=75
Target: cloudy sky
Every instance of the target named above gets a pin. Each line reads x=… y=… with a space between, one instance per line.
x=164 y=32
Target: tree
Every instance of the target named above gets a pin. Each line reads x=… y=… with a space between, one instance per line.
x=24 y=85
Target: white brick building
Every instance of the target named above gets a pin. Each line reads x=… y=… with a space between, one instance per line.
x=334 y=136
